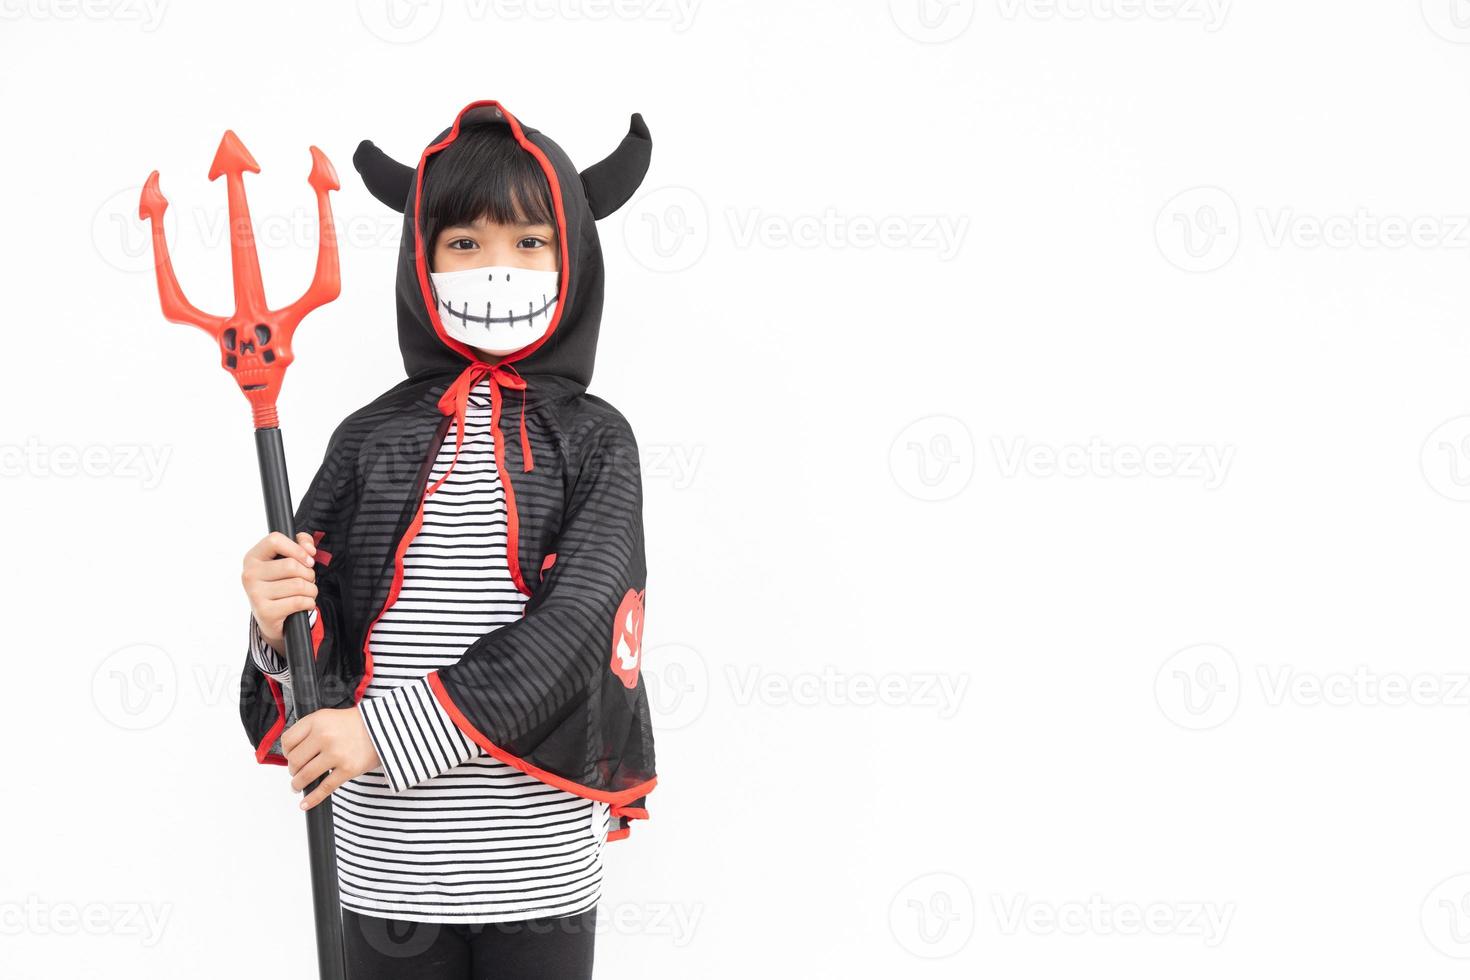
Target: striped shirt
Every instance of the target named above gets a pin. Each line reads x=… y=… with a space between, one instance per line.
x=444 y=832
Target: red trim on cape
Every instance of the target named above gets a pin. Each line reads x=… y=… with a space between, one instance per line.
x=403 y=543
x=513 y=523
x=617 y=800
x=263 y=753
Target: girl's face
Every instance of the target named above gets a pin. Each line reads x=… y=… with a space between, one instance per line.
x=488 y=243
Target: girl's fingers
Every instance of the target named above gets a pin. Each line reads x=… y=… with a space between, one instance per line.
x=277 y=545
x=296 y=734
x=283 y=589
x=279 y=609
x=307 y=774
x=279 y=568
x=328 y=786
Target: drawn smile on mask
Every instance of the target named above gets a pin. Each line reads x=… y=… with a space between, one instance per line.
x=496 y=308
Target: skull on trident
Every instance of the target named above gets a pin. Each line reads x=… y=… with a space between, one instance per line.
x=254 y=343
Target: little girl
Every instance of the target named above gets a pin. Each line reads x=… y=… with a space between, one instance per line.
x=473 y=566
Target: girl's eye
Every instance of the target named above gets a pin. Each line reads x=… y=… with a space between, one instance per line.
x=534 y=242
x=462 y=244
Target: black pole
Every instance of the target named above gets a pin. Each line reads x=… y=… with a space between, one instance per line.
x=320 y=839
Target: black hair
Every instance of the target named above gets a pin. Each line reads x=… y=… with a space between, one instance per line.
x=484 y=173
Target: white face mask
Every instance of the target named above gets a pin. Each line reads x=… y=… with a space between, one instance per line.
x=496 y=308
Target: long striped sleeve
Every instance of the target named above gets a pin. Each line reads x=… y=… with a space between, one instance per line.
x=414 y=735
x=265 y=656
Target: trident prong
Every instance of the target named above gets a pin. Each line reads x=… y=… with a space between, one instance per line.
x=255 y=341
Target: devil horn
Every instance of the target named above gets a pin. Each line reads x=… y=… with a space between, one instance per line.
x=387 y=179
x=611 y=181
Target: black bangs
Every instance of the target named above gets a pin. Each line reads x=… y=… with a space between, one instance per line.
x=484 y=173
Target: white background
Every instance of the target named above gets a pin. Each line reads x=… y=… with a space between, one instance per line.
x=1103 y=364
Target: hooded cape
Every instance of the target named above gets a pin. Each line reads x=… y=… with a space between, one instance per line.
x=558 y=693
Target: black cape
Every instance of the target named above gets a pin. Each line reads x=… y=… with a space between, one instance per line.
x=558 y=693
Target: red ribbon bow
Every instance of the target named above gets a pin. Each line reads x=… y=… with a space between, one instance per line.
x=457 y=395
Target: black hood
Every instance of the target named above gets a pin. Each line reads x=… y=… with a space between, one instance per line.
x=579 y=199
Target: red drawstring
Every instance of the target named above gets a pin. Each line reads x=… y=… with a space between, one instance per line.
x=457 y=395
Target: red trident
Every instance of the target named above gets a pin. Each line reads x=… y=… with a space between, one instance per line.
x=255 y=347
x=254 y=343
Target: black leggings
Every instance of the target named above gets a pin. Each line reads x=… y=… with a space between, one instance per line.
x=553 y=948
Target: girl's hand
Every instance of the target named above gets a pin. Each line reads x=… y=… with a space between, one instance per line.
x=332 y=739
x=279 y=580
